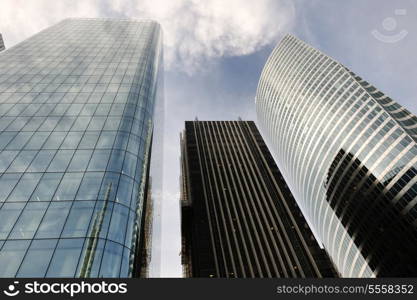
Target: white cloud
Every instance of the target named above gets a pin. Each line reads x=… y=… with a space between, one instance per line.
x=19 y=19
x=199 y=30
x=195 y=31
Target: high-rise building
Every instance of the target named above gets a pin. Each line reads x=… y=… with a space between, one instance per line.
x=238 y=216
x=349 y=154
x=76 y=105
x=2 y=47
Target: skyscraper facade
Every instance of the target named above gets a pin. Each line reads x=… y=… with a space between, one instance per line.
x=238 y=216
x=349 y=154
x=76 y=105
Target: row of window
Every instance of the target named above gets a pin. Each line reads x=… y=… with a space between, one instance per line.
x=70 y=97
x=69 y=186
x=64 y=258
x=54 y=111
x=67 y=219
x=42 y=186
x=72 y=140
x=44 y=86
x=64 y=124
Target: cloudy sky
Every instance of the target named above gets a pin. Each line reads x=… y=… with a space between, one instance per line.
x=215 y=51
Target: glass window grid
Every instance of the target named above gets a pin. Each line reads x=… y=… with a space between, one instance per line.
x=263 y=98
x=37 y=83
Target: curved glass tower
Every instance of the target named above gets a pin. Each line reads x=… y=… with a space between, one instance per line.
x=76 y=122
x=349 y=154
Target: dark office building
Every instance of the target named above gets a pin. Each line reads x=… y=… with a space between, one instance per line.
x=239 y=219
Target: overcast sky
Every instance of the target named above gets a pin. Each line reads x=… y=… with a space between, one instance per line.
x=215 y=50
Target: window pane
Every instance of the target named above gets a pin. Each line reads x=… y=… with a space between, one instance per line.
x=117 y=109
x=79 y=219
x=46 y=187
x=88 y=110
x=106 y=140
x=37 y=258
x=99 y=160
x=61 y=161
x=41 y=161
x=110 y=266
x=124 y=190
x=45 y=109
x=5 y=121
x=8 y=216
x=108 y=97
x=18 y=124
x=118 y=223
x=54 y=140
x=68 y=187
x=65 y=259
x=134 y=144
x=95 y=97
x=25 y=187
x=22 y=161
x=5 y=138
x=89 y=140
x=103 y=109
x=81 y=124
x=112 y=123
x=129 y=165
x=80 y=160
x=136 y=128
x=37 y=141
x=49 y=124
x=19 y=141
x=33 y=123
x=54 y=220
x=96 y=123
x=65 y=123
x=72 y=140
x=90 y=186
x=31 y=109
x=7 y=183
x=74 y=109
x=116 y=161
x=28 y=221
x=125 y=269
x=6 y=158
x=122 y=139
x=16 y=109
x=11 y=257
x=126 y=124
x=60 y=109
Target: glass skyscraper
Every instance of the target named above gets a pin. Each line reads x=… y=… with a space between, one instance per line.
x=76 y=122
x=349 y=154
